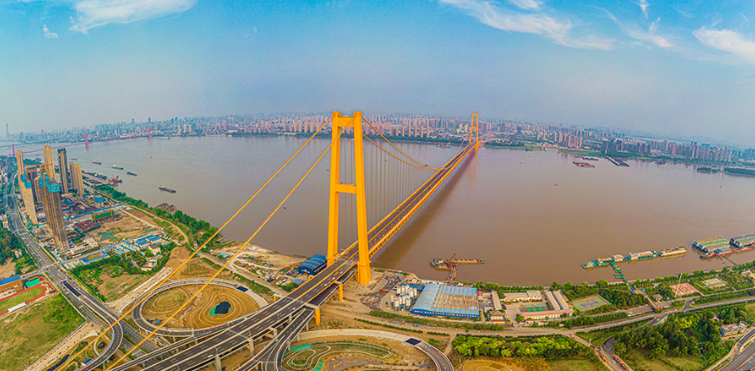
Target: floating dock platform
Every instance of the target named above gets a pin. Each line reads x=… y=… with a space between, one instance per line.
x=601 y=262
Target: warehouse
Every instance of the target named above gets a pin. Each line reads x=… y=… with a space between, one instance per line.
x=511 y=297
x=447 y=301
x=313 y=265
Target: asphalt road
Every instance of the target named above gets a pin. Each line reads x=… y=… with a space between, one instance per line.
x=72 y=291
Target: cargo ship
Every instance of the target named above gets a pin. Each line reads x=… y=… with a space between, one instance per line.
x=635 y=256
x=583 y=164
x=130 y=173
x=587 y=158
x=723 y=251
x=444 y=264
x=166 y=189
x=117 y=167
x=705 y=169
x=680 y=250
x=97 y=163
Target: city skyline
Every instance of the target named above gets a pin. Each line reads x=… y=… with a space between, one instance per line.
x=664 y=67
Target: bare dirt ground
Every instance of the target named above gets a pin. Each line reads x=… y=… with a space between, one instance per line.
x=126 y=227
x=199 y=268
x=177 y=256
x=277 y=260
x=112 y=283
x=7 y=269
x=197 y=314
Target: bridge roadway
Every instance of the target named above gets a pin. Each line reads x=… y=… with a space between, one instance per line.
x=235 y=335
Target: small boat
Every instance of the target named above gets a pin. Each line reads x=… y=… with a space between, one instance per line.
x=130 y=173
x=97 y=163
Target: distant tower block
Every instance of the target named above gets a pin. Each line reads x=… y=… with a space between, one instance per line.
x=86 y=139
x=340 y=123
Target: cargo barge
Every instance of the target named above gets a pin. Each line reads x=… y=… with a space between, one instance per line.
x=130 y=173
x=583 y=164
x=601 y=262
x=97 y=163
x=705 y=169
x=716 y=247
x=617 y=162
x=117 y=167
x=445 y=264
x=166 y=189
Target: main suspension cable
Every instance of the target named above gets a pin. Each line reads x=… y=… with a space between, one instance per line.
x=400 y=151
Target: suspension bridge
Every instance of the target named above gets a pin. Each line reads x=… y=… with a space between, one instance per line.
x=353 y=182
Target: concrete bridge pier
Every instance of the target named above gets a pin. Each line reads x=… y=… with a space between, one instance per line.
x=218 y=365
x=251 y=347
x=340 y=291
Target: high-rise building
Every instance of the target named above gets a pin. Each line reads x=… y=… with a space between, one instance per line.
x=25 y=188
x=53 y=210
x=63 y=167
x=7 y=132
x=49 y=164
x=33 y=172
x=77 y=180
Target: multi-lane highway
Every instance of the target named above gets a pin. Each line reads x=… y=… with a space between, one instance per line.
x=93 y=311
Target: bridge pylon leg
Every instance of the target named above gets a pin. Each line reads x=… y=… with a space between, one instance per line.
x=340 y=122
x=340 y=291
x=317 y=316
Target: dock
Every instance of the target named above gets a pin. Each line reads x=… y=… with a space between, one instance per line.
x=617 y=162
x=452 y=264
x=601 y=262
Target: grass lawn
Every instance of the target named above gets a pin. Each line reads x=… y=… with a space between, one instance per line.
x=598 y=337
x=29 y=333
x=20 y=298
x=638 y=360
x=573 y=364
x=750 y=308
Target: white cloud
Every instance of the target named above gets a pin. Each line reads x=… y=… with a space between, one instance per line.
x=48 y=34
x=643 y=4
x=527 y=4
x=636 y=32
x=535 y=23
x=728 y=41
x=95 y=13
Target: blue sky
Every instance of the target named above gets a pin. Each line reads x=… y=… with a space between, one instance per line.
x=672 y=67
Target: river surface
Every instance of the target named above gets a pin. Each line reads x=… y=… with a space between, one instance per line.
x=534 y=217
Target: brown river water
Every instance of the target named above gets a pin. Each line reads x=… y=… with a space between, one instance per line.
x=534 y=217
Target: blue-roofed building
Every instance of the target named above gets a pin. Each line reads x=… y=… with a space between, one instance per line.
x=447 y=301
x=313 y=265
x=10 y=285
